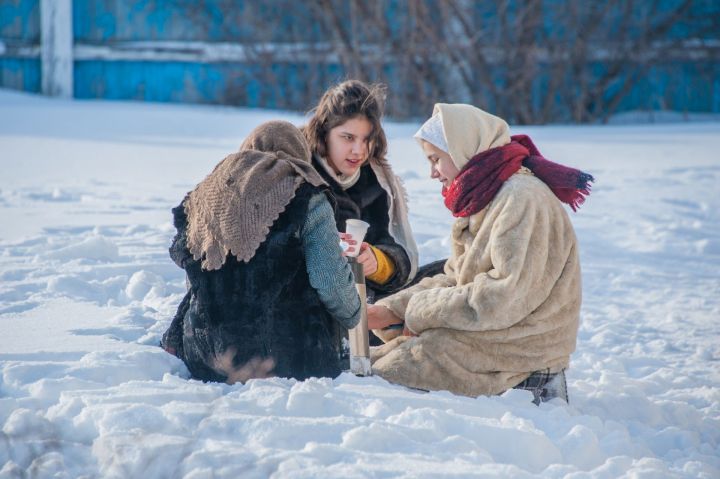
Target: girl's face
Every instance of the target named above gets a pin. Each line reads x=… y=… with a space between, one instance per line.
x=441 y=164
x=348 y=145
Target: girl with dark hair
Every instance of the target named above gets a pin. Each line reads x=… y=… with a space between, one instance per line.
x=348 y=149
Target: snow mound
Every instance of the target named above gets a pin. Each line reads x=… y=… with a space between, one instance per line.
x=97 y=248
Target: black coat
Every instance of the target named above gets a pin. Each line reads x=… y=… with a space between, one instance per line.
x=265 y=308
x=368 y=201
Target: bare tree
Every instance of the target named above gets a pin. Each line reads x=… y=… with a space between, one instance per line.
x=530 y=61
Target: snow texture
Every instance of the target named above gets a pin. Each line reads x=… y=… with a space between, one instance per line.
x=87 y=288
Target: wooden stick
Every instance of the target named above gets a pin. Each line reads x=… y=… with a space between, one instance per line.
x=359 y=336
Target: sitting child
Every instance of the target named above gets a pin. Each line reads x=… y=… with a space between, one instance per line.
x=270 y=293
x=505 y=312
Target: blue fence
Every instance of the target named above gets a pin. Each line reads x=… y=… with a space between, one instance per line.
x=103 y=30
x=20 y=24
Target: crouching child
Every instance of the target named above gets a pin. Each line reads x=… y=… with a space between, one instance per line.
x=270 y=293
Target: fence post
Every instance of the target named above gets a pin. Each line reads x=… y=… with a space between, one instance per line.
x=56 y=47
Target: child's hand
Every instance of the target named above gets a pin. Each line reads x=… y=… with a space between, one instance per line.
x=367 y=259
x=380 y=317
x=407 y=332
x=352 y=244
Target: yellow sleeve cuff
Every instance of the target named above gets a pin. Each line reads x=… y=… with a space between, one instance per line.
x=385 y=269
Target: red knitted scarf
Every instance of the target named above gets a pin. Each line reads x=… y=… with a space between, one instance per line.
x=478 y=182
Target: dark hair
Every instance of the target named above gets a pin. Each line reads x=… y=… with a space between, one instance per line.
x=343 y=102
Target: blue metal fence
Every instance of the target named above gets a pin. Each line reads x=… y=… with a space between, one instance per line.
x=19 y=25
x=180 y=76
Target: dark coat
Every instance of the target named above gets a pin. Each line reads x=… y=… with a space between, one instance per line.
x=265 y=308
x=368 y=201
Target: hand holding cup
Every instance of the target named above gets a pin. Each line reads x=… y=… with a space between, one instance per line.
x=367 y=259
x=354 y=231
x=347 y=244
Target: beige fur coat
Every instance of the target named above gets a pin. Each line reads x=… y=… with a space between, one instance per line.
x=507 y=305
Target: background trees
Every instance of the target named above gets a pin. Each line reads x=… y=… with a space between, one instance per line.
x=530 y=61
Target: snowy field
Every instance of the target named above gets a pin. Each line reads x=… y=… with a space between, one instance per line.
x=87 y=288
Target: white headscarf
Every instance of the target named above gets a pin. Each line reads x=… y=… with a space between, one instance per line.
x=432 y=132
x=466 y=131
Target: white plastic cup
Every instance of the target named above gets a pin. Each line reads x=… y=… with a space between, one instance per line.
x=356 y=229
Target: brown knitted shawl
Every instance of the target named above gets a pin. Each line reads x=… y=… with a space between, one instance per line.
x=234 y=207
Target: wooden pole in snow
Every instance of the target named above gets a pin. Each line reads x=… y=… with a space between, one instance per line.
x=359 y=336
x=56 y=51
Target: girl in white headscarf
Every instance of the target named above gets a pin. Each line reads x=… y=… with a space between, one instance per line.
x=505 y=311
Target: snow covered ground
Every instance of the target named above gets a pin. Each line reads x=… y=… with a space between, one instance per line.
x=87 y=288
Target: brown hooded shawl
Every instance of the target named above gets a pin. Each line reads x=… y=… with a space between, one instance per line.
x=233 y=208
